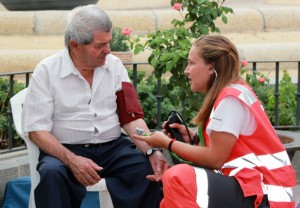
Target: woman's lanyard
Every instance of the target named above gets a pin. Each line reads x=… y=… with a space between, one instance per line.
x=201 y=138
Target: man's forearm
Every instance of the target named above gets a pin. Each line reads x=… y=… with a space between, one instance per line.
x=49 y=144
x=130 y=129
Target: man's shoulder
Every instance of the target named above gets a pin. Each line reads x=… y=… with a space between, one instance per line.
x=50 y=63
x=112 y=59
x=53 y=57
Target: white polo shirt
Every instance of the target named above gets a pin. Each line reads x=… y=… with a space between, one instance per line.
x=60 y=100
x=232 y=116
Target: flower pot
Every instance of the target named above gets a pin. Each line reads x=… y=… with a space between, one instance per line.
x=290 y=140
x=27 y=5
x=125 y=56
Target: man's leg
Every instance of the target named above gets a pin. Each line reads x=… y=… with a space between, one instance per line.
x=57 y=188
x=125 y=171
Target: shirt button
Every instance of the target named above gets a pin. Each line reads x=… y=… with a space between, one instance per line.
x=95 y=114
x=95 y=130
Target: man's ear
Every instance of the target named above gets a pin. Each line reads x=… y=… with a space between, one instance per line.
x=73 y=44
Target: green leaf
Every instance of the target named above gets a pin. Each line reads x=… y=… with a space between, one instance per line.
x=199 y=2
x=224 y=19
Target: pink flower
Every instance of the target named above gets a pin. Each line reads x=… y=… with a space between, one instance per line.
x=177 y=6
x=262 y=80
x=244 y=63
x=126 y=31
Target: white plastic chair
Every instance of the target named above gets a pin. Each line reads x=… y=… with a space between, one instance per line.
x=16 y=103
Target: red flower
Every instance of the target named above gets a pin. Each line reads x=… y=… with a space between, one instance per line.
x=262 y=80
x=126 y=31
x=177 y=6
x=244 y=63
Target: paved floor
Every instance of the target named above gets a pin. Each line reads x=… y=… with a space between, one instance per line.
x=297 y=194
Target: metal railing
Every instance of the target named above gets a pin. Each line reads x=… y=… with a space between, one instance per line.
x=277 y=68
x=274 y=66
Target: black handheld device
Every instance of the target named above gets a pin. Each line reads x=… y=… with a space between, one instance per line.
x=174 y=117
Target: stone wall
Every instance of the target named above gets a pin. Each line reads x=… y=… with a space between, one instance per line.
x=12 y=165
x=27 y=37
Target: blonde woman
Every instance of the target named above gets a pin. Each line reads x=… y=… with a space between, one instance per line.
x=243 y=162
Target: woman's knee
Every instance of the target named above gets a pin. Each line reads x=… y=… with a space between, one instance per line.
x=178 y=174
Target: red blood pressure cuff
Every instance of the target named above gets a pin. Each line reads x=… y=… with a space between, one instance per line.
x=129 y=107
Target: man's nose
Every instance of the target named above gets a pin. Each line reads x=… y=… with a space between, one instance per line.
x=107 y=49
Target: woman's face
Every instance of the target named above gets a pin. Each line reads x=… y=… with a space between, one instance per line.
x=198 y=72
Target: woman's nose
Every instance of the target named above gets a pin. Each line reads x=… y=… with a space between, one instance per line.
x=186 y=71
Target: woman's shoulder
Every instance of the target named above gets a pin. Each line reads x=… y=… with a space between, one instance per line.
x=237 y=88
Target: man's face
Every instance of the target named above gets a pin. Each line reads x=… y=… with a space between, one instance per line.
x=90 y=56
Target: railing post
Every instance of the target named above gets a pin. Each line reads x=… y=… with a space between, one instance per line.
x=254 y=66
x=159 y=99
x=27 y=79
x=298 y=97
x=134 y=74
x=276 y=94
x=10 y=119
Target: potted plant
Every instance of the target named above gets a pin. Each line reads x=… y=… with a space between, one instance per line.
x=119 y=44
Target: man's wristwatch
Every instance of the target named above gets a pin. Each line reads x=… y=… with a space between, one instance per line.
x=151 y=150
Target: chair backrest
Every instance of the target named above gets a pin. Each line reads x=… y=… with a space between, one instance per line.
x=16 y=103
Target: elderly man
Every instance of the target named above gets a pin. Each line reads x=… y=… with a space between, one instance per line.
x=76 y=105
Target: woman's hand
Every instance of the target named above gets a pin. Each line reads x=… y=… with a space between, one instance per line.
x=156 y=139
x=182 y=130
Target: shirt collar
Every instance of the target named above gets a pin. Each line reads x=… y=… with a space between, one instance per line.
x=69 y=67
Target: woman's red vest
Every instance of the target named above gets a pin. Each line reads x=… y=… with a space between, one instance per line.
x=259 y=162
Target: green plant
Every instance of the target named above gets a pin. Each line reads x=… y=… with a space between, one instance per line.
x=147 y=90
x=169 y=47
x=120 y=39
x=4 y=109
x=259 y=83
x=287 y=103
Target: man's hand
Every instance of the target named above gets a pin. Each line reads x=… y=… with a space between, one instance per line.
x=157 y=160
x=159 y=165
x=85 y=170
